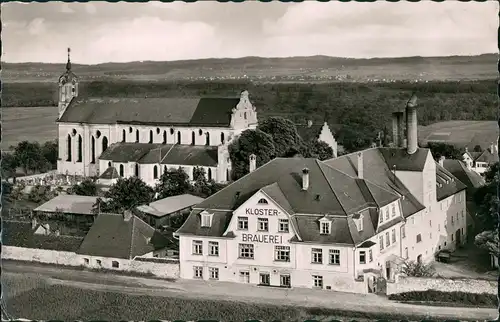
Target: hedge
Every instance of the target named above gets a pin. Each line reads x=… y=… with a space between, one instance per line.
x=468 y=299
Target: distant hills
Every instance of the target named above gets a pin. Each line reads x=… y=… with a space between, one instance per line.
x=313 y=68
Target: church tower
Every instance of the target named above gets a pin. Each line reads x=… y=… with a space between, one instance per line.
x=68 y=87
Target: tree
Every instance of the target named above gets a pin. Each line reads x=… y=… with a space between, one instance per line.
x=486 y=198
x=250 y=142
x=283 y=132
x=29 y=156
x=449 y=151
x=417 y=269
x=39 y=194
x=50 y=152
x=173 y=183
x=9 y=165
x=319 y=150
x=86 y=188
x=203 y=187
x=478 y=148
x=125 y=194
x=488 y=240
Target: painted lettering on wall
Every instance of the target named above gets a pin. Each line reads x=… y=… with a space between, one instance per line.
x=261 y=212
x=265 y=239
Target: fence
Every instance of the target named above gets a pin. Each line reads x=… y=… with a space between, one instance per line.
x=168 y=268
x=404 y=284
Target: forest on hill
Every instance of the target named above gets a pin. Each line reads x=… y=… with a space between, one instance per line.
x=355 y=111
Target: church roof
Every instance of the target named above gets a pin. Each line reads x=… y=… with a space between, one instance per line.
x=207 y=111
x=146 y=153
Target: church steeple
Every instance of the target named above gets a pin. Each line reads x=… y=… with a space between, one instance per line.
x=68 y=64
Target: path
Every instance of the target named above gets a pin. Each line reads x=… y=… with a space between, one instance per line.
x=239 y=292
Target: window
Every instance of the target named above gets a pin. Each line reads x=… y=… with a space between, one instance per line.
x=115 y=264
x=92 y=150
x=381 y=242
x=263 y=224
x=370 y=255
x=430 y=235
x=381 y=217
x=317 y=256
x=453 y=219
x=359 y=223
x=164 y=137
x=393 y=235
x=282 y=253
x=222 y=138
x=206 y=219
x=246 y=251
x=406 y=252
x=451 y=237
x=262 y=201
x=193 y=138
x=213 y=273
x=198 y=271
x=213 y=248
x=462 y=214
x=197 y=247
x=68 y=148
x=285 y=280
x=387 y=240
x=80 y=149
x=121 y=170
x=155 y=172
x=207 y=138
x=430 y=223
x=265 y=278
x=137 y=136
x=325 y=227
x=318 y=281
x=243 y=223
x=86 y=261
x=245 y=276
x=334 y=257
x=419 y=238
x=136 y=170
x=393 y=210
x=151 y=136
x=403 y=231
x=362 y=257
x=283 y=225
x=179 y=137
x=387 y=214
x=209 y=174
x=98 y=262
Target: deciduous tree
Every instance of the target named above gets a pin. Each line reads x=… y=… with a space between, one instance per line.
x=29 y=156
x=86 y=188
x=449 y=151
x=283 y=132
x=125 y=194
x=173 y=183
x=50 y=152
x=9 y=165
x=319 y=150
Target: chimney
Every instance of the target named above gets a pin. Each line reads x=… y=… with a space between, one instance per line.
x=492 y=148
x=360 y=165
x=441 y=160
x=309 y=123
x=253 y=162
x=127 y=215
x=397 y=129
x=411 y=128
x=305 y=179
x=466 y=149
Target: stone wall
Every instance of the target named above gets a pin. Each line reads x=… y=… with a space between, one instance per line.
x=164 y=268
x=404 y=284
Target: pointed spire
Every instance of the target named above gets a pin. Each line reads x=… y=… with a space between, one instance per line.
x=68 y=64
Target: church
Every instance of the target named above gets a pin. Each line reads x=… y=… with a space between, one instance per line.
x=113 y=137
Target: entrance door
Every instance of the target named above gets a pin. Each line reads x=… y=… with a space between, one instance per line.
x=285 y=280
x=458 y=237
x=265 y=278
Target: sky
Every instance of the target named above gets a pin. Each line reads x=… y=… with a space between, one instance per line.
x=122 y=32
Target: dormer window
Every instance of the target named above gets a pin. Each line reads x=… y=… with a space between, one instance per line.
x=358 y=220
x=262 y=201
x=325 y=226
x=206 y=219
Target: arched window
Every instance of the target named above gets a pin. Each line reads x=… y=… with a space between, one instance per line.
x=151 y=136
x=193 y=138
x=104 y=143
x=136 y=170
x=69 y=148
x=137 y=136
x=245 y=115
x=124 y=136
x=179 y=137
x=165 y=137
x=92 y=149
x=209 y=174
x=80 y=149
x=228 y=175
x=207 y=138
x=222 y=138
x=164 y=169
x=262 y=201
x=155 y=172
x=121 y=170
x=109 y=164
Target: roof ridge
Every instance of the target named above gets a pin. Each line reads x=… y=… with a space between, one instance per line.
x=330 y=184
x=132 y=237
x=358 y=180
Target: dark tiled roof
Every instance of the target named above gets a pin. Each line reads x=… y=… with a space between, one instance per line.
x=112 y=236
x=126 y=152
x=377 y=172
x=146 y=153
x=192 y=225
x=487 y=157
x=110 y=173
x=468 y=177
x=447 y=183
x=308 y=133
x=153 y=111
x=402 y=160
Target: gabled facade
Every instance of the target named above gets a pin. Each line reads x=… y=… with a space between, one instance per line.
x=88 y=126
x=320 y=132
x=480 y=162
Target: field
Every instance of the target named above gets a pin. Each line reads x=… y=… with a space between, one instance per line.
x=28 y=123
x=461 y=133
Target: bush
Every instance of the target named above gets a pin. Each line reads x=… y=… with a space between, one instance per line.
x=469 y=299
x=417 y=269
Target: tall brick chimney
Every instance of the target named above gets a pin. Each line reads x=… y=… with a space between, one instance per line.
x=397 y=129
x=411 y=125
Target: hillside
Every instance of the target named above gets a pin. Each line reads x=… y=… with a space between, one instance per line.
x=315 y=68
